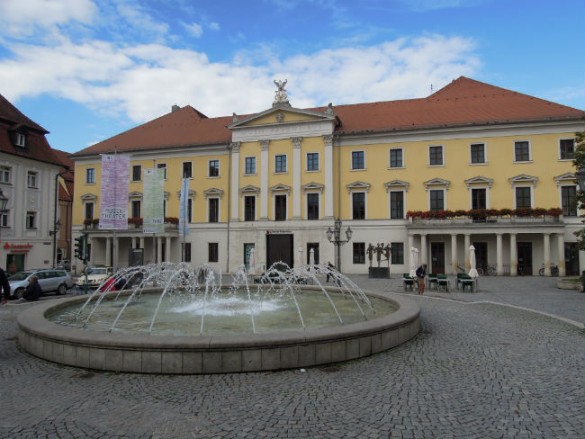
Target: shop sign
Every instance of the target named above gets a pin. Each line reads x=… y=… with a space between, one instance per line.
x=18 y=248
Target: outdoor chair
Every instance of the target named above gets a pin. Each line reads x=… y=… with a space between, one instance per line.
x=442 y=282
x=433 y=281
x=466 y=281
x=407 y=282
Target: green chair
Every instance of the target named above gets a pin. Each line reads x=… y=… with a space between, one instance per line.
x=407 y=281
x=433 y=281
x=442 y=282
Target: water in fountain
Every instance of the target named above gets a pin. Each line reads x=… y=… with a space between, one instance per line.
x=171 y=298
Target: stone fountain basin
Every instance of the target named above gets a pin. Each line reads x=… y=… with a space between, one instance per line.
x=143 y=353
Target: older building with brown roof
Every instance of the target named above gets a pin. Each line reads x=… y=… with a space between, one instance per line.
x=471 y=164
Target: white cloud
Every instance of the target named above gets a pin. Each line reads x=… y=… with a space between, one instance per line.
x=194 y=29
x=22 y=18
x=143 y=81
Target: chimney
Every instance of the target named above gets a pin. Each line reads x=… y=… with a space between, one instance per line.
x=175 y=108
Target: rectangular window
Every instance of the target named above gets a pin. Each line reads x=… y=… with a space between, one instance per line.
x=190 y=210
x=20 y=140
x=136 y=173
x=280 y=163
x=187 y=170
x=187 y=252
x=4 y=219
x=214 y=210
x=569 y=200
x=358 y=160
x=250 y=165
x=213 y=252
x=358 y=205
x=359 y=252
x=437 y=199
x=396 y=158
x=32 y=179
x=280 y=208
x=567 y=149
x=163 y=166
x=136 y=209
x=478 y=153
x=89 y=210
x=31 y=220
x=435 y=155
x=397 y=253
x=478 y=198
x=521 y=151
x=312 y=161
x=523 y=197
x=396 y=205
x=214 y=168
x=312 y=206
x=5 y=174
x=315 y=247
x=249 y=208
x=90 y=175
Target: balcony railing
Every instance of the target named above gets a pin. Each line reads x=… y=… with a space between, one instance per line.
x=170 y=223
x=504 y=219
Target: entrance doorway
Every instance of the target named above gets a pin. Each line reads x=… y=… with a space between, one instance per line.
x=481 y=255
x=279 y=248
x=437 y=257
x=14 y=263
x=524 y=258
x=572 y=258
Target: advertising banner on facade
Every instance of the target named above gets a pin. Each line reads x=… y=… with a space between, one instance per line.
x=154 y=216
x=114 y=192
x=183 y=208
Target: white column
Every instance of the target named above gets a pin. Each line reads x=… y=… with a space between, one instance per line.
x=235 y=192
x=142 y=243
x=297 y=165
x=158 y=250
x=423 y=249
x=133 y=242
x=561 y=251
x=453 y=253
x=513 y=255
x=328 y=166
x=168 y=249
x=546 y=251
x=108 y=252
x=499 y=255
x=410 y=245
x=264 y=179
x=466 y=245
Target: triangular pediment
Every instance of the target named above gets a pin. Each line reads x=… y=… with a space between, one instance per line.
x=280 y=188
x=357 y=186
x=396 y=184
x=523 y=178
x=88 y=197
x=281 y=115
x=250 y=189
x=437 y=182
x=567 y=177
x=479 y=181
x=314 y=186
x=213 y=192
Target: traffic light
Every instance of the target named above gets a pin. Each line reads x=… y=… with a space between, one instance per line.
x=80 y=247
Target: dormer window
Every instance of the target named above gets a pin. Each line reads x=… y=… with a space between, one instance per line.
x=19 y=140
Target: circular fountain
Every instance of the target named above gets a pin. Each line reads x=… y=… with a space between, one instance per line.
x=170 y=318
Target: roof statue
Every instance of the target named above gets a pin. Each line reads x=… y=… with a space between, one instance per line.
x=280 y=94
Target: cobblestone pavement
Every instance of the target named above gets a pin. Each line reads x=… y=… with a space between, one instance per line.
x=477 y=370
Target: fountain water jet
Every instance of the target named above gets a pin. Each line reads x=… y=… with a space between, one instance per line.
x=332 y=323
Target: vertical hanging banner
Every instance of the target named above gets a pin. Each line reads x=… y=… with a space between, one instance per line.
x=154 y=216
x=114 y=192
x=183 y=208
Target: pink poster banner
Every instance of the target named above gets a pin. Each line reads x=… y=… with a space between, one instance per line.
x=114 y=192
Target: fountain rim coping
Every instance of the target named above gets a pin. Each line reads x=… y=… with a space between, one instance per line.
x=34 y=321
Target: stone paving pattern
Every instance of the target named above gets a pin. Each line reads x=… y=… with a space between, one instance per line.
x=477 y=370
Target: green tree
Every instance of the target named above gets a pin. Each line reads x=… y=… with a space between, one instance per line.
x=578 y=162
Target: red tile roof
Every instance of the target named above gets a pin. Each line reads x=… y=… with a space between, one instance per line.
x=37 y=147
x=464 y=102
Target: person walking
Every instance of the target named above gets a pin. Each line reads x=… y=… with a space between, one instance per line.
x=5 y=286
x=421 y=272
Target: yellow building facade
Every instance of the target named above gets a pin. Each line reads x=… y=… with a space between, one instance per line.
x=471 y=165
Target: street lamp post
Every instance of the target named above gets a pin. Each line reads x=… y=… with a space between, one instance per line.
x=3 y=203
x=334 y=237
x=54 y=233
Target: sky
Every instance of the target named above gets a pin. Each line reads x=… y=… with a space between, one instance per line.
x=87 y=70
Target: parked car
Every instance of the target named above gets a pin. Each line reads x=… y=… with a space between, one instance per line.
x=51 y=281
x=95 y=276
